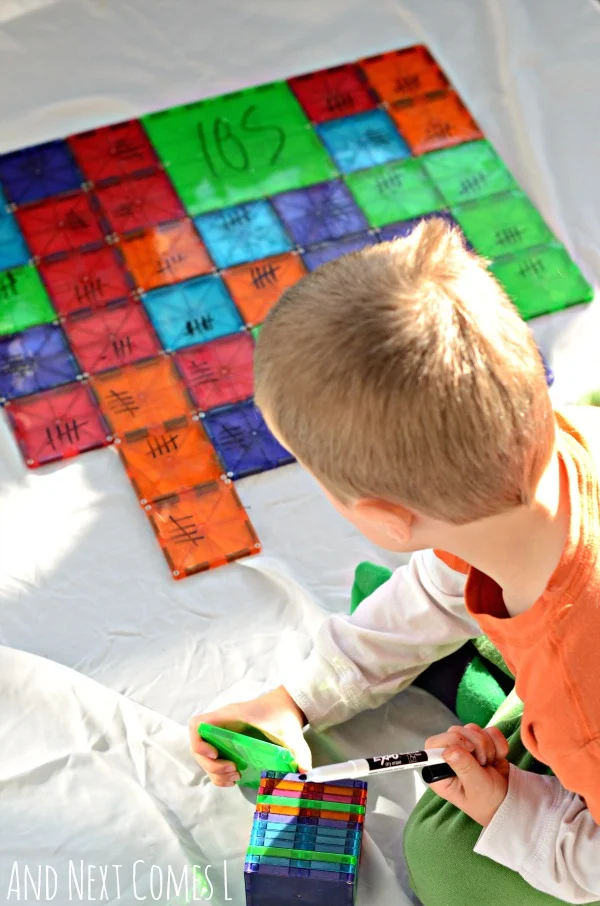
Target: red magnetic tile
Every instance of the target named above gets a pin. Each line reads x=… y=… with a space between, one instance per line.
x=60 y=224
x=166 y=459
x=203 y=528
x=404 y=73
x=166 y=254
x=435 y=121
x=113 y=151
x=331 y=93
x=85 y=280
x=57 y=424
x=256 y=287
x=220 y=372
x=141 y=201
x=137 y=396
x=112 y=337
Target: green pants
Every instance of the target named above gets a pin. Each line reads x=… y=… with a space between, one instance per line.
x=439 y=840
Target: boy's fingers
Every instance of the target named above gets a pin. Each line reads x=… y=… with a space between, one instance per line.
x=485 y=750
x=500 y=741
x=467 y=769
x=454 y=736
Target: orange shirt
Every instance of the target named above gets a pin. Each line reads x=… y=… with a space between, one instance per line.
x=553 y=648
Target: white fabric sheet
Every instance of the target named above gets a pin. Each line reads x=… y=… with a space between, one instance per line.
x=104 y=656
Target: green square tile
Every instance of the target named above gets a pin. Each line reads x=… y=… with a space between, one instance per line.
x=395 y=191
x=239 y=147
x=502 y=224
x=24 y=301
x=468 y=172
x=542 y=280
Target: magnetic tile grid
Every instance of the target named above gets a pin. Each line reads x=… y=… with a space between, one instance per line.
x=179 y=232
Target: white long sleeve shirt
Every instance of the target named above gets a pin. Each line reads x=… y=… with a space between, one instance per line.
x=542 y=831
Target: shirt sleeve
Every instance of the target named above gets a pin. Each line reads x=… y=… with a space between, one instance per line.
x=548 y=835
x=418 y=616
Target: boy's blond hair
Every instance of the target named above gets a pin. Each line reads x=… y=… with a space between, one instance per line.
x=403 y=372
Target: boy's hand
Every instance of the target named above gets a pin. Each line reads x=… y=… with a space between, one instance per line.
x=481 y=768
x=276 y=714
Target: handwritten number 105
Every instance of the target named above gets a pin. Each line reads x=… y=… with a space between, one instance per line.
x=230 y=148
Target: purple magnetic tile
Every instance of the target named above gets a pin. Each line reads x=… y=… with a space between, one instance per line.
x=279 y=775
x=405 y=227
x=292 y=871
x=37 y=359
x=321 y=254
x=243 y=441
x=38 y=172
x=318 y=213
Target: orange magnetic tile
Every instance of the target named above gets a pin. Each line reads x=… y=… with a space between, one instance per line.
x=167 y=254
x=435 y=121
x=404 y=73
x=135 y=397
x=203 y=528
x=166 y=459
x=256 y=287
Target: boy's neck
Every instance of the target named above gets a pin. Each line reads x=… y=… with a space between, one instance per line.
x=521 y=548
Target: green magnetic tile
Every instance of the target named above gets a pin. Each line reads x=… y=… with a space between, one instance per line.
x=542 y=280
x=24 y=301
x=467 y=172
x=502 y=224
x=239 y=147
x=396 y=191
x=251 y=752
x=255 y=331
x=321 y=804
x=309 y=855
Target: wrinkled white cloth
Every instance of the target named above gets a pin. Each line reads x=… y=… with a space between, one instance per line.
x=82 y=581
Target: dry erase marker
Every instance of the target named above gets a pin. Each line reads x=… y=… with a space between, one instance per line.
x=381 y=764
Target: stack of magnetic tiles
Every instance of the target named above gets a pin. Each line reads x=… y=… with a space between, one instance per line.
x=305 y=842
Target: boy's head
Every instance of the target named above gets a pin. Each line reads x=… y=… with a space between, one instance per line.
x=403 y=378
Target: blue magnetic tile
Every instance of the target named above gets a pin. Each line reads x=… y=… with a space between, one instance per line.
x=38 y=172
x=243 y=233
x=318 y=213
x=260 y=817
x=13 y=249
x=405 y=227
x=304 y=830
x=320 y=254
x=192 y=312
x=363 y=140
x=37 y=359
x=243 y=441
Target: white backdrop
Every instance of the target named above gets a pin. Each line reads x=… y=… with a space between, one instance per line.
x=104 y=656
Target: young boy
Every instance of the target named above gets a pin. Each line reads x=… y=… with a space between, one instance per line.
x=404 y=380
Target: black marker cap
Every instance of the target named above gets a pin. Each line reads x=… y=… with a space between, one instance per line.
x=431 y=773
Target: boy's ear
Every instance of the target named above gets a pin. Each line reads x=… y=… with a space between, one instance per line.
x=392 y=518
